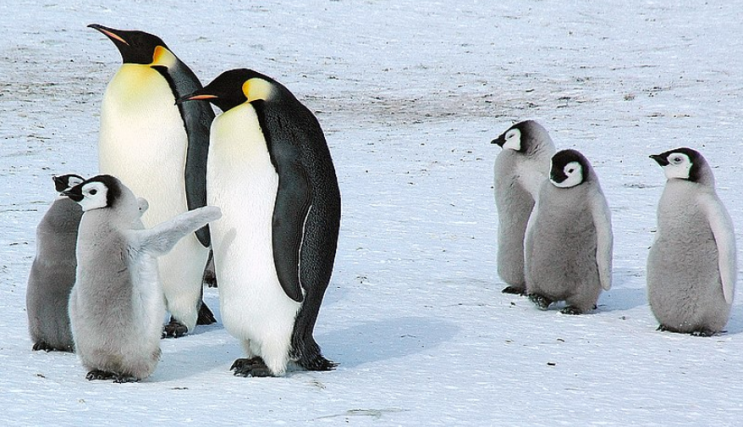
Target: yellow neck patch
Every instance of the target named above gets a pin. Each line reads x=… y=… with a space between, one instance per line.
x=256 y=88
x=164 y=57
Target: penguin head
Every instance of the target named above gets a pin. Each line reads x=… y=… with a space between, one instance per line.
x=100 y=192
x=138 y=47
x=236 y=87
x=569 y=168
x=684 y=163
x=524 y=137
x=66 y=182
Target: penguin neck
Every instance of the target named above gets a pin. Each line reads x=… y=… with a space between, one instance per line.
x=238 y=131
x=137 y=84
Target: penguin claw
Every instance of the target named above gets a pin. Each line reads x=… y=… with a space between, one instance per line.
x=253 y=367
x=514 y=290
x=97 y=374
x=174 y=329
x=571 y=310
x=703 y=333
x=540 y=301
x=41 y=345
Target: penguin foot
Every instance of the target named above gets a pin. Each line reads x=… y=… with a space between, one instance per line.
x=41 y=345
x=97 y=374
x=703 y=333
x=514 y=290
x=121 y=378
x=253 y=367
x=318 y=363
x=206 y=317
x=571 y=310
x=174 y=329
x=540 y=301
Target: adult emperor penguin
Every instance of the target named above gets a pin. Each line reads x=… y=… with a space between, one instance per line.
x=520 y=170
x=53 y=271
x=116 y=306
x=692 y=263
x=271 y=172
x=159 y=150
x=569 y=241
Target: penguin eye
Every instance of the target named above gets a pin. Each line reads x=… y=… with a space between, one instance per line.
x=676 y=160
x=93 y=192
x=571 y=170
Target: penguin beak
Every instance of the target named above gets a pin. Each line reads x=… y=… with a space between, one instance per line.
x=109 y=32
x=660 y=159
x=500 y=141
x=73 y=195
x=192 y=97
x=59 y=184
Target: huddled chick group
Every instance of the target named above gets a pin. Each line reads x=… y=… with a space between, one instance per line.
x=555 y=239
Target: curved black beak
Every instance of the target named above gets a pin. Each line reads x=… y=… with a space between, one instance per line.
x=660 y=159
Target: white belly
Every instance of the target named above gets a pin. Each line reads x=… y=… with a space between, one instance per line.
x=242 y=181
x=143 y=142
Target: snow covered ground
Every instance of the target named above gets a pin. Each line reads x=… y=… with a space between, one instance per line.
x=410 y=94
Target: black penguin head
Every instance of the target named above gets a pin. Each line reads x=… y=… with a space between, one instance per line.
x=102 y=191
x=524 y=137
x=569 y=168
x=682 y=163
x=137 y=47
x=235 y=87
x=66 y=182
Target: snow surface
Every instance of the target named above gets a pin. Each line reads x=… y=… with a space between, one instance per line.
x=410 y=94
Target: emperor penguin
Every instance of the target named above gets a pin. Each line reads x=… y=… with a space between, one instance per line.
x=569 y=241
x=692 y=263
x=520 y=170
x=53 y=271
x=271 y=172
x=116 y=306
x=159 y=150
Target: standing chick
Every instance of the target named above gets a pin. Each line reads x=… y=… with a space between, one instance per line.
x=53 y=271
x=692 y=262
x=520 y=169
x=569 y=244
x=117 y=304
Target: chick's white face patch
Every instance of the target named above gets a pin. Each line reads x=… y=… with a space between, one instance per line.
x=679 y=166
x=513 y=140
x=95 y=196
x=573 y=173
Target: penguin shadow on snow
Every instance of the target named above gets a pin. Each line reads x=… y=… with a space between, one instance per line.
x=624 y=293
x=378 y=340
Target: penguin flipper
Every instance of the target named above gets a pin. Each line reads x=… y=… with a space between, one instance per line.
x=604 y=238
x=293 y=204
x=161 y=238
x=198 y=117
x=724 y=234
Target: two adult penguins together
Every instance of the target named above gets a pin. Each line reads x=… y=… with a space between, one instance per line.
x=264 y=162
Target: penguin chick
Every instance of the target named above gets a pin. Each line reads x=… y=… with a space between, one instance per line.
x=271 y=172
x=569 y=243
x=53 y=271
x=692 y=263
x=159 y=150
x=520 y=169
x=117 y=306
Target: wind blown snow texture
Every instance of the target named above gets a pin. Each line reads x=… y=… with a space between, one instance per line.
x=410 y=93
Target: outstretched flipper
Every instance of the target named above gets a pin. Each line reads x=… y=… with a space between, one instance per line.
x=161 y=238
